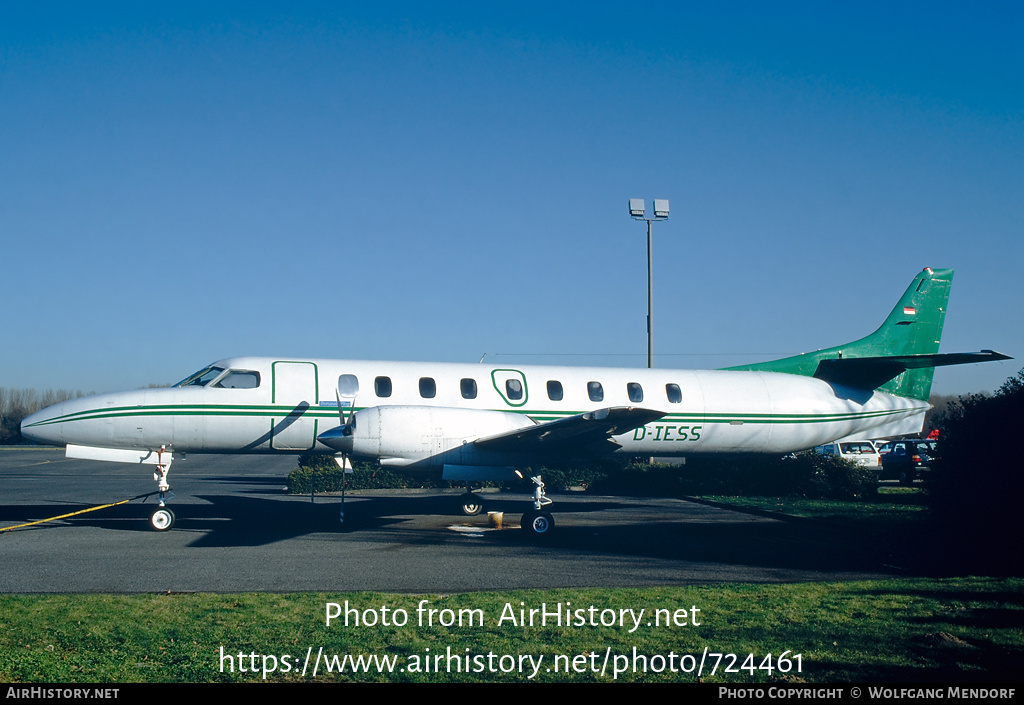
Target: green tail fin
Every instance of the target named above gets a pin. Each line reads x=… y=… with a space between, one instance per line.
x=913 y=328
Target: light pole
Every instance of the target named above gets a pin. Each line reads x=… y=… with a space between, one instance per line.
x=636 y=210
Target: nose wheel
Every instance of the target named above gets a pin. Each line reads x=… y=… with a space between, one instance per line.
x=162 y=519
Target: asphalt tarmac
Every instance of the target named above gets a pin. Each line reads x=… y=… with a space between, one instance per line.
x=238 y=531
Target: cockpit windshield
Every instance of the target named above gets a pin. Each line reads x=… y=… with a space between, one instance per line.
x=201 y=378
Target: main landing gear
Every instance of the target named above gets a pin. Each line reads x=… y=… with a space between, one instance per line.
x=471 y=503
x=538 y=521
x=162 y=519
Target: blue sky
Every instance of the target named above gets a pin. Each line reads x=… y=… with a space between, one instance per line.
x=183 y=182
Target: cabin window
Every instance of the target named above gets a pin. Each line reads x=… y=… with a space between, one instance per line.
x=348 y=386
x=673 y=393
x=201 y=378
x=468 y=388
x=513 y=389
x=382 y=386
x=635 y=392
x=428 y=387
x=595 y=391
x=239 y=379
x=554 y=390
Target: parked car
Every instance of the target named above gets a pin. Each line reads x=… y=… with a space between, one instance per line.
x=861 y=452
x=906 y=460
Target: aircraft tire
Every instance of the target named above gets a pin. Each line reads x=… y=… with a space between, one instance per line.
x=471 y=504
x=162 y=519
x=537 y=524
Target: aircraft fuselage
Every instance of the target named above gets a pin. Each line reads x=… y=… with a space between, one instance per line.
x=266 y=405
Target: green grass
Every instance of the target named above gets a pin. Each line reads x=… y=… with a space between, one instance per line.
x=893 y=508
x=969 y=629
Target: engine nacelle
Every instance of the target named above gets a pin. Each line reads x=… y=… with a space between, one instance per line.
x=403 y=435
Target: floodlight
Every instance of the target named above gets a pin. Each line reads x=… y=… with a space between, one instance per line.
x=636 y=210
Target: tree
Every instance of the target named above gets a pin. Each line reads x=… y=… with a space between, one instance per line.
x=976 y=482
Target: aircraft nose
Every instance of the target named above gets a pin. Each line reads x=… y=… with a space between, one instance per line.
x=42 y=427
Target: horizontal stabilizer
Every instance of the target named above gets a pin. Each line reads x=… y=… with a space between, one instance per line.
x=579 y=430
x=873 y=372
x=912 y=328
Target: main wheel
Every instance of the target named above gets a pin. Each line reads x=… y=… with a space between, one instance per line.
x=471 y=504
x=537 y=523
x=162 y=519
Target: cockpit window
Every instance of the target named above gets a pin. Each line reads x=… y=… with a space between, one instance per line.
x=239 y=379
x=201 y=378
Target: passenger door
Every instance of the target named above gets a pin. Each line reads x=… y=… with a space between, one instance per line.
x=295 y=391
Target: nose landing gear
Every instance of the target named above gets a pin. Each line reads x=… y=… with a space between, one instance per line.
x=163 y=518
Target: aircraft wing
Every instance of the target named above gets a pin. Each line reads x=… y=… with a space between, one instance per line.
x=873 y=372
x=572 y=432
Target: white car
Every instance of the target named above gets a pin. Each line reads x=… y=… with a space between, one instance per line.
x=861 y=452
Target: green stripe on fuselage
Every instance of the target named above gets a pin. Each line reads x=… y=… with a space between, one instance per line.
x=541 y=416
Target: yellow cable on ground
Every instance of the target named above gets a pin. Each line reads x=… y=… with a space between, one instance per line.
x=80 y=511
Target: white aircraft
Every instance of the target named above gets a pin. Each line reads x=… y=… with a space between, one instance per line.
x=476 y=422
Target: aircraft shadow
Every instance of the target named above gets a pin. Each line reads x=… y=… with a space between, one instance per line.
x=626 y=529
